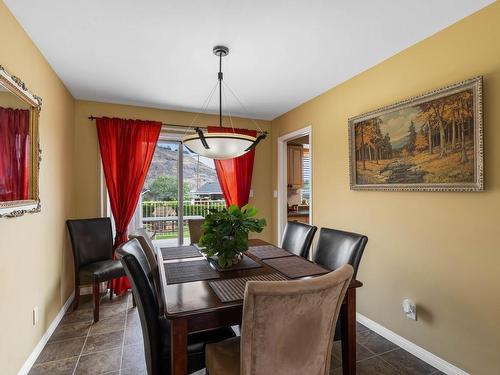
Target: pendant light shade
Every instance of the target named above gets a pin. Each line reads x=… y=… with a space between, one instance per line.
x=221 y=145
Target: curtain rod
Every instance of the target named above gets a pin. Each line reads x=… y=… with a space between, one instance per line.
x=91 y=117
x=165 y=124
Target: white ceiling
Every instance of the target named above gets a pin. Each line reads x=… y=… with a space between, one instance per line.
x=158 y=53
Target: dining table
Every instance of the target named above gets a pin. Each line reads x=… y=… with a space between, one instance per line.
x=193 y=306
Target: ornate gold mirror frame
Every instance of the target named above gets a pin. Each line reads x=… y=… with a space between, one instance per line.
x=31 y=205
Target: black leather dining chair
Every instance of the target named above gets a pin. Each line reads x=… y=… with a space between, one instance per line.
x=155 y=327
x=149 y=251
x=147 y=245
x=336 y=248
x=297 y=238
x=92 y=243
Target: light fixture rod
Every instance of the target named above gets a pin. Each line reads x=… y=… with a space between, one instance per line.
x=220 y=51
x=220 y=88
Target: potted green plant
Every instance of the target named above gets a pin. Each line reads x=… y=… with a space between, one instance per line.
x=225 y=233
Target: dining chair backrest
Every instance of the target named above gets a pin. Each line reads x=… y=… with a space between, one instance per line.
x=301 y=343
x=146 y=242
x=91 y=240
x=297 y=238
x=195 y=230
x=148 y=248
x=136 y=267
x=336 y=248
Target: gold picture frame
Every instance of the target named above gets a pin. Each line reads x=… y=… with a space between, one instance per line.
x=18 y=208
x=431 y=142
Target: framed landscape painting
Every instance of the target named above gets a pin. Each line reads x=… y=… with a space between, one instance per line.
x=433 y=142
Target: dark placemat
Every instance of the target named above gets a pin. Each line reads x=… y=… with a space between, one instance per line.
x=192 y=270
x=229 y=290
x=268 y=252
x=295 y=267
x=245 y=264
x=179 y=252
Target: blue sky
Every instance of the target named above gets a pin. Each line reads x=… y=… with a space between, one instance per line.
x=396 y=123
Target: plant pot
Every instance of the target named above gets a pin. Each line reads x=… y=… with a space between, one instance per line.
x=236 y=259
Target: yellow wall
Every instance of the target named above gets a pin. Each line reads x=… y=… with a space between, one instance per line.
x=436 y=248
x=9 y=100
x=440 y=249
x=36 y=261
x=86 y=153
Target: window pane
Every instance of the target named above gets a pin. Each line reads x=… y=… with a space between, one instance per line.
x=160 y=206
x=306 y=169
x=201 y=187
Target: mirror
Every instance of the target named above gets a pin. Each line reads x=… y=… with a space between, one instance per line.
x=19 y=147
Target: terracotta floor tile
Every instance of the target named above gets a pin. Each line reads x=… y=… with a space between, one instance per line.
x=407 y=363
x=133 y=358
x=61 y=350
x=77 y=316
x=374 y=342
x=105 y=341
x=69 y=331
x=60 y=367
x=115 y=323
x=99 y=363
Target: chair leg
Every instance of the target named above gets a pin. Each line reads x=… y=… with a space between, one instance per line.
x=77 y=297
x=110 y=283
x=95 y=287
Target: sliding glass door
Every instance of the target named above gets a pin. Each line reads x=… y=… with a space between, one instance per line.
x=180 y=186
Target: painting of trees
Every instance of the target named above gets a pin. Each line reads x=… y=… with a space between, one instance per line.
x=450 y=118
x=430 y=140
x=412 y=138
x=371 y=144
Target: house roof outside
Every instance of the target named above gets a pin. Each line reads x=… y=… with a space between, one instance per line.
x=209 y=188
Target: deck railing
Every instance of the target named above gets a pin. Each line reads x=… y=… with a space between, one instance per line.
x=162 y=216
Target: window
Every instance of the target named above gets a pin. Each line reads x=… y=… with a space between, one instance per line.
x=305 y=192
x=179 y=186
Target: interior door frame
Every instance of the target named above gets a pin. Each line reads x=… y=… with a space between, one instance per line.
x=281 y=203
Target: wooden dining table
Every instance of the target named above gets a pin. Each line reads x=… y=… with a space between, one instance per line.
x=193 y=307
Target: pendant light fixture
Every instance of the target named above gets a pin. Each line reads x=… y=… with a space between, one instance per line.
x=219 y=145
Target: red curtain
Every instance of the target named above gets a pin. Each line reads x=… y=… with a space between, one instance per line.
x=127 y=148
x=14 y=154
x=235 y=175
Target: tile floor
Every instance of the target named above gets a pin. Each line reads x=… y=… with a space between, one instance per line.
x=114 y=346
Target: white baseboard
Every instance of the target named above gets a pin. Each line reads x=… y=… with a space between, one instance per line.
x=410 y=347
x=41 y=344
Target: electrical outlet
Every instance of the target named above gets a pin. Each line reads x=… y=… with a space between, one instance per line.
x=275 y=193
x=409 y=309
x=35 y=315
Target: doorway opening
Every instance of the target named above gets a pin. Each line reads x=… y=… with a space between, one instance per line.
x=294 y=179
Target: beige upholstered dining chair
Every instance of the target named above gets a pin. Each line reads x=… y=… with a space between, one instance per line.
x=287 y=328
x=195 y=230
